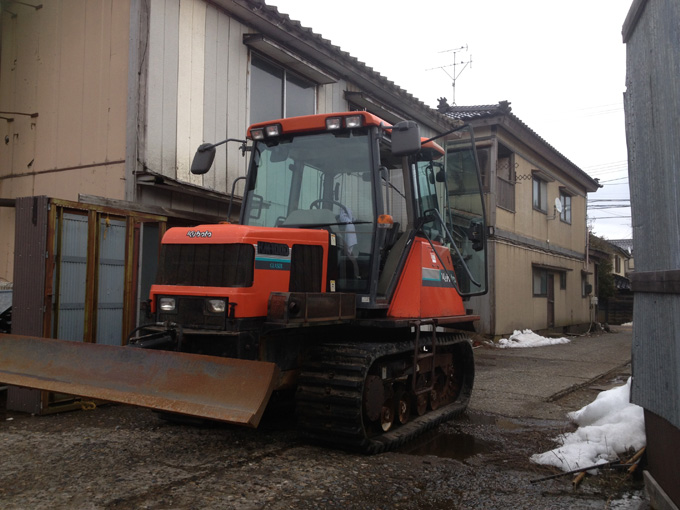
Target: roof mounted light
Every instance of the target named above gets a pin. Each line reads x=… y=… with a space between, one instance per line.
x=273 y=130
x=354 y=121
x=257 y=134
x=333 y=123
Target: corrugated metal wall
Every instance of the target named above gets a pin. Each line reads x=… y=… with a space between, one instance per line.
x=652 y=103
x=71 y=274
x=29 y=268
x=111 y=281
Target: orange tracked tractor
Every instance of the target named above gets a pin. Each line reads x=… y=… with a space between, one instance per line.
x=344 y=282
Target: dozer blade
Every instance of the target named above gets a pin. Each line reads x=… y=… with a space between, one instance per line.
x=225 y=389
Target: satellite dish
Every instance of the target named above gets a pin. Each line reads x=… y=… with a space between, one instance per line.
x=558 y=205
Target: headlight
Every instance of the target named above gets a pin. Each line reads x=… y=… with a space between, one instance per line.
x=354 y=121
x=273 y=130
x=333 y=123
x=167 y=304
x=217 y=305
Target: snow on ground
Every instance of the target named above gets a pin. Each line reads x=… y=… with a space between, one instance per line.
x=528 y=338
x=609 y=427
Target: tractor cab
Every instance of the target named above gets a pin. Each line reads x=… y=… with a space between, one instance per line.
x=374 y=188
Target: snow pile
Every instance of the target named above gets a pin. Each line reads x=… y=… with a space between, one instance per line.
x=528 y=338
x=608 y=427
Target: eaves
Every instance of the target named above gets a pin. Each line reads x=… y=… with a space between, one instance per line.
x=530 y=138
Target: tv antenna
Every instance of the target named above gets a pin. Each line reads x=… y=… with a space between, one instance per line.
x=455 y=65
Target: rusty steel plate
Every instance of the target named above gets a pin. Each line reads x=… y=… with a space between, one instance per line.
x=225 y=389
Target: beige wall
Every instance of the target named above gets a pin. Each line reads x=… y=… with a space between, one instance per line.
x=543 y=227
x=516 y=306
x=68 y=63
x=527 y=238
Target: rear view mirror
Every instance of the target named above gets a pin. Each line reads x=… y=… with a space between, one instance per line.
x=203 y=159
x=405 y=138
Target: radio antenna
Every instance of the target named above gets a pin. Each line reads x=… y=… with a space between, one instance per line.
x=455 y=65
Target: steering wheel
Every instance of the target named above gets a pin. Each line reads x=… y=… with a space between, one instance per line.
x=317 y=205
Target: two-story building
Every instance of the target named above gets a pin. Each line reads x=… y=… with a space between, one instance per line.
x=539 y=273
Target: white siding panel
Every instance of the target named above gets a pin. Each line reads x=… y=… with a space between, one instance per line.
x=190 y=82
x=155 y=81
x=331 y=98
x=237 y=100
x=161 y=132
x=215 y=95
x=219 y=172
x=210 y=88
x=169 y=87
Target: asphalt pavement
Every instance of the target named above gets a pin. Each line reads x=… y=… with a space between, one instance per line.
x=536 y=383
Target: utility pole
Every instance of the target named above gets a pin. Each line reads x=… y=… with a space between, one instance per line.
x=456 y=64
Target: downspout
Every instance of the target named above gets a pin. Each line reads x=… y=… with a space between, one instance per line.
x=587 y=237
x=136 y=92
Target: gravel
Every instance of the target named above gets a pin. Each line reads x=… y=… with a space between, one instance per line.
x=121 y=457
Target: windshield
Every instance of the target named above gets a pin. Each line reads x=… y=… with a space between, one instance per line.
x=320 y=180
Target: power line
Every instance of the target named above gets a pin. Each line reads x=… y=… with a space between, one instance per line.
x=608 y=217
x=594 y=200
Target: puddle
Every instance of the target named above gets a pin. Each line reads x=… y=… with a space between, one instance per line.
x=452 y=444
x=457 y=446
x=501 y=423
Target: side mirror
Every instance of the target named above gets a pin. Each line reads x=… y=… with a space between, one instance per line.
x=405 y=138
x=203 y=159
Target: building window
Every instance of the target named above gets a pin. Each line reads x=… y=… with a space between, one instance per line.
x=505 y=181
x=617 y=264
x=565 y=215
x=540 y=195
x=563 y=281
x=276 y=92
x=586 y=288
x=484 y=159
x=540 y=283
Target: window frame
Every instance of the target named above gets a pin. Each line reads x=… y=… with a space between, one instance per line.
x=295 y=78
x=563 y=280
x=584 y=286
x=542 y=194
x=565 y=215
x=543 y=275
x=505 y=187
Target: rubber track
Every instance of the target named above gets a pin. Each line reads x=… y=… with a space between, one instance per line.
x=330 y=391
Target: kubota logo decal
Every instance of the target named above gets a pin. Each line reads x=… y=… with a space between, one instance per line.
x=199 y=233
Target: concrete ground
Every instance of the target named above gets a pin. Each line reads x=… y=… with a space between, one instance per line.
x=532 y=382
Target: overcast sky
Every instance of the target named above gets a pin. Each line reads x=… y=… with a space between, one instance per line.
x=560 y=64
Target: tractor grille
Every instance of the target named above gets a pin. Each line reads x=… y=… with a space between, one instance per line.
x=306 y=268
x=207 y=265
